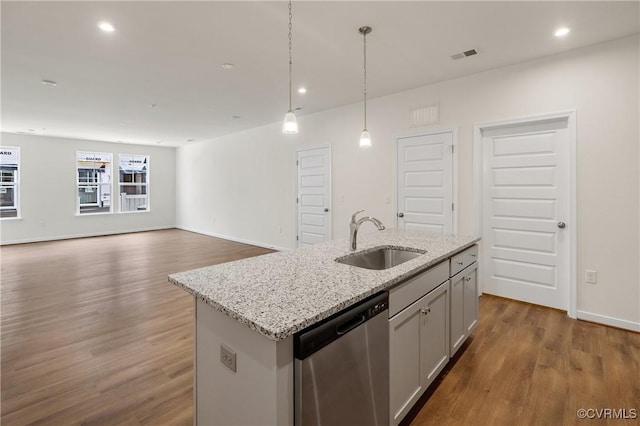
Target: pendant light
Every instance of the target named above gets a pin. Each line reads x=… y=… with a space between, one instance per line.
x=365 y=138
x=290 y=124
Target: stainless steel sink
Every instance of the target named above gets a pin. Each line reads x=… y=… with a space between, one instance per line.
x=380 y=258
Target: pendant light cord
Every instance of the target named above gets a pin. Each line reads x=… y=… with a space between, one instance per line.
x=365 y=79
x=290 y=27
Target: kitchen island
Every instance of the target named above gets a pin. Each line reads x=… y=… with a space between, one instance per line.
x=247 y=312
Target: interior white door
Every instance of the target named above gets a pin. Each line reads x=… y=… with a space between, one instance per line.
x=526 y=204
x=314 y=196
x=425 y=183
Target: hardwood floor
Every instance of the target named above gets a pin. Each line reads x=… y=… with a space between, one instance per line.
x=92 y=333
x=530 y=365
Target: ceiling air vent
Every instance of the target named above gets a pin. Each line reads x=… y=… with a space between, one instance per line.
x=464 y=54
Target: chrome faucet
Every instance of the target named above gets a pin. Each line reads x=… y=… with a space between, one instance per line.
x=354 y=225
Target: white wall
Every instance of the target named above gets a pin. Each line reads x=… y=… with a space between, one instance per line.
x=48 y=191
x=243 y=185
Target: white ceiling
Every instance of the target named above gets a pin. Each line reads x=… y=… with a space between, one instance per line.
x=170 y=54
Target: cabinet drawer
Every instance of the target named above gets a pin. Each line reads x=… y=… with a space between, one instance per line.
x=464 y=259
x=414 y=288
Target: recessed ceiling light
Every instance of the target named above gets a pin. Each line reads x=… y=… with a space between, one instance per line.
x=298 y=109
x=49 y=83
x=106 y=26
x=561 y=32
x=302 y=90
x=228 y=66
x=235 y=117
x=154 y=105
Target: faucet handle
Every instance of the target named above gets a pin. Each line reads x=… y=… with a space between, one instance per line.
x=353 y=216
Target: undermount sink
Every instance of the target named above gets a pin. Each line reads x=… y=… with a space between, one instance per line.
x=380 y=258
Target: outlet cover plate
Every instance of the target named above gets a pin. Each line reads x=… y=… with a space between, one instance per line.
x=228 y=357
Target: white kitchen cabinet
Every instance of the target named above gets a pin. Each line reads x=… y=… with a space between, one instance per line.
x=458 y=334
x=464 y=297
x=419 y=349
x=471 y=299
x=434 y=335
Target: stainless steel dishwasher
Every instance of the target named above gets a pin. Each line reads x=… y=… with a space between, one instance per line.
x=342 y=368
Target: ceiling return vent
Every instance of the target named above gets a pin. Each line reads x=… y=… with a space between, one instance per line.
x=464 y=54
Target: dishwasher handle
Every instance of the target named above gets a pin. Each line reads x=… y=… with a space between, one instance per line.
x=350 y=324
x=310 y=340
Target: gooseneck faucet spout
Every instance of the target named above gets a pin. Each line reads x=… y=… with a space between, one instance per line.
x=355 y=225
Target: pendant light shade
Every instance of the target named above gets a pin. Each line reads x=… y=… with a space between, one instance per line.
x=290 y=124
x=365 y=138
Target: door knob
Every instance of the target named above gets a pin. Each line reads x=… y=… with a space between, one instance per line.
x=326 y=209
x=400 y=214
x=561 y=225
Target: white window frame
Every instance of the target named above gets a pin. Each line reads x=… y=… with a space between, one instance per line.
x=15 y=184
x=98 y=185
x=122 y=195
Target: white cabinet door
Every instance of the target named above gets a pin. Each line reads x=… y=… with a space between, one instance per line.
x=470 y=299
x=405 y=384
x=434 y=334
x=464 y=306
x=419 y=349
x=425 y=183
x=458 y=334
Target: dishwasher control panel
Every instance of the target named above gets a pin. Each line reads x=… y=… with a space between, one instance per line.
x=377 y=308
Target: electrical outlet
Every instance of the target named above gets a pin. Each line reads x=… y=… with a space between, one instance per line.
x=228 y=357
x=592 y=276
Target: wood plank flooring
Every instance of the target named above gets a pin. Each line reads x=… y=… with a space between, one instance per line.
x=530 y=365
x=92 y=333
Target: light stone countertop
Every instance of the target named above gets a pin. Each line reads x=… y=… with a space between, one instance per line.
x=281 y=293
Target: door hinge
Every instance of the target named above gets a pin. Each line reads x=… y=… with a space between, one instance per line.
x=297 y=162
x=297 y=238
x=452 y=148
x=297 y=200
x=452 y=207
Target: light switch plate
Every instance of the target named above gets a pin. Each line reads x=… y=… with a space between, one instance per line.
x=592 y=276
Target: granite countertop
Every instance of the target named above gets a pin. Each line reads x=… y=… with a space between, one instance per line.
x=281 y=293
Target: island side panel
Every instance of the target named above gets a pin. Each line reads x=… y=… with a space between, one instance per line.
x=260 y=392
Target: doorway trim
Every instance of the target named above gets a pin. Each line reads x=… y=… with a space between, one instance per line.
x=426 y=131
x=478 y=185
x=295 y=201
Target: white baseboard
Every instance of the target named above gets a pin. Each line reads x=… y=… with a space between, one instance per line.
x=614 y=322
x=72 y=236
x=236 y=239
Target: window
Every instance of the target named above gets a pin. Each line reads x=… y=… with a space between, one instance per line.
x=134 y=183
x=94 y=182
x=9 y=181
